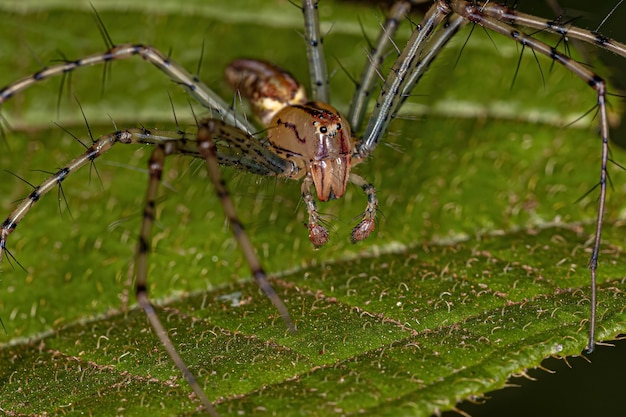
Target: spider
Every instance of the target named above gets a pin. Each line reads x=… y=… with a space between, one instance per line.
x=304 y=139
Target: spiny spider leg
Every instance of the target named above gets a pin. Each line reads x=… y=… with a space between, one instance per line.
x=231 y=153
x=207 y=130
x=155 y=168
x=474 y=14
x=508 y=15
x=196 y=88
x=376 y=56
x=318 y=72
x=167 y=143
x=398 y=84
x=437 y=27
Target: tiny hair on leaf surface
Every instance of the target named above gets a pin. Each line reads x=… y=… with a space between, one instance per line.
x=476 y=272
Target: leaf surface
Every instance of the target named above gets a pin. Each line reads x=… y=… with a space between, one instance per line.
x=477 y=270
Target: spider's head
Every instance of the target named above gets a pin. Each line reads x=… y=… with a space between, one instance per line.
x=316 y=137
x=329 y=148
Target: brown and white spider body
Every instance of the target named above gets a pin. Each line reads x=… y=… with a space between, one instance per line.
x=312 y=135
x=305 y=139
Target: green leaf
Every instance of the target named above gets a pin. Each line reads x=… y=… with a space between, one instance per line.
x=477 y=270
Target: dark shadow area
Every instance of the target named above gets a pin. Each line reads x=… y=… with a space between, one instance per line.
x=582 y=389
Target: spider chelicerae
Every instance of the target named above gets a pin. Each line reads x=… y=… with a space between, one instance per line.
x=280 y=148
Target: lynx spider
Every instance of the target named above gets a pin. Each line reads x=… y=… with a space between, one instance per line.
x=229 y=139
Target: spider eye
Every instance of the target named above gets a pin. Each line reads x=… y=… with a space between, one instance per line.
x=338 y=126
x=323 y=129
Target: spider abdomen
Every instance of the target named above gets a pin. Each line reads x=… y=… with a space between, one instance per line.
x=267 y=87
